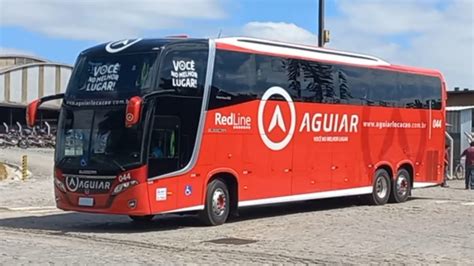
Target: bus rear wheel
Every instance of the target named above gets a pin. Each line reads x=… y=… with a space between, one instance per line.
x=217 y=206
x=381 y=188
x=401 y=187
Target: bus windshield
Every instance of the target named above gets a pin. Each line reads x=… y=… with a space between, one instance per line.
x=98 y=139
x=117 y=76
x=91 y=130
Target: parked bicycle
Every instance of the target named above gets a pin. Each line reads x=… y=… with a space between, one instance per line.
x=459 y=170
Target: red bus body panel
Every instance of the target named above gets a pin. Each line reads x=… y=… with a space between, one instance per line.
x=312 y=162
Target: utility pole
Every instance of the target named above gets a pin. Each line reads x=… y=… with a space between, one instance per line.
x=323 y=35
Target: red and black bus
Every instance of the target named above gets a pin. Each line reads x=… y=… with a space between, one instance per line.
x=150 y=126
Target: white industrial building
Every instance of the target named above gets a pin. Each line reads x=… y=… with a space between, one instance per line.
x=24 y=78
x=460 y=127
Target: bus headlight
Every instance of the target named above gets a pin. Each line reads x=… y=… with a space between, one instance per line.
x=59 y=184
x=124 y=186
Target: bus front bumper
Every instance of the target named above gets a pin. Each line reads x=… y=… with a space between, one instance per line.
x=133 y=201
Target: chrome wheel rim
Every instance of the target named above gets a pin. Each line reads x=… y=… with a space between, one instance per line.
x=381 y=187
x=219 y=202
x=402 y=185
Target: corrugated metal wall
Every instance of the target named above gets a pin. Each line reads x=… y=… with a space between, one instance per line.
x=459 y=122
x=466 y=127
x=452 y=118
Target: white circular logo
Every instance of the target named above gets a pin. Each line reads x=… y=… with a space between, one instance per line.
x=277 y=119
x=72 y=183
x=115 y=47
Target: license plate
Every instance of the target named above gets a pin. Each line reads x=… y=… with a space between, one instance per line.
x=87 y=202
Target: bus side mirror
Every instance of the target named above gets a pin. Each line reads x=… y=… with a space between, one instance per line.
x=32 y=108
x=31 y=112
x=132 y=114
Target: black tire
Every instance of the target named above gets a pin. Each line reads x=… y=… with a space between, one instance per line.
x=23 y=144
x=141 y=219
x=217 y=206
x=381 y=188
x=401 y=187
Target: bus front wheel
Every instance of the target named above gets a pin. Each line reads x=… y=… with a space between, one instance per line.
x=381 y=188
x=217 y=206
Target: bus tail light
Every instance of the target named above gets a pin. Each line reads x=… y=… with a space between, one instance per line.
x=60 y=185
x=132 y=115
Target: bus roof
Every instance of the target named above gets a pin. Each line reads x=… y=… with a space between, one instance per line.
x=297 y=50
x=261 y=46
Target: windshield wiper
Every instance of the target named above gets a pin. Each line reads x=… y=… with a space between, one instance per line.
x=108 y=162
x=118 y=165
x=63 y=160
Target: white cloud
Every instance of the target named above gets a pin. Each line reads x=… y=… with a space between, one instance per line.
x=7 y=50
x=279 y=31
x=389 y=17
x=104 y=19
x=435 y=34
x=428 y=33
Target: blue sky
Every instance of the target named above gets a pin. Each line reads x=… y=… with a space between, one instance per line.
x=409 y=32
x=237 y=13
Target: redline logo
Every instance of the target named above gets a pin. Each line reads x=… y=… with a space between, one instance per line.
x=237 y=121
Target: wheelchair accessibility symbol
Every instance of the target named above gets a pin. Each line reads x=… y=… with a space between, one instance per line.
x=188 y=190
